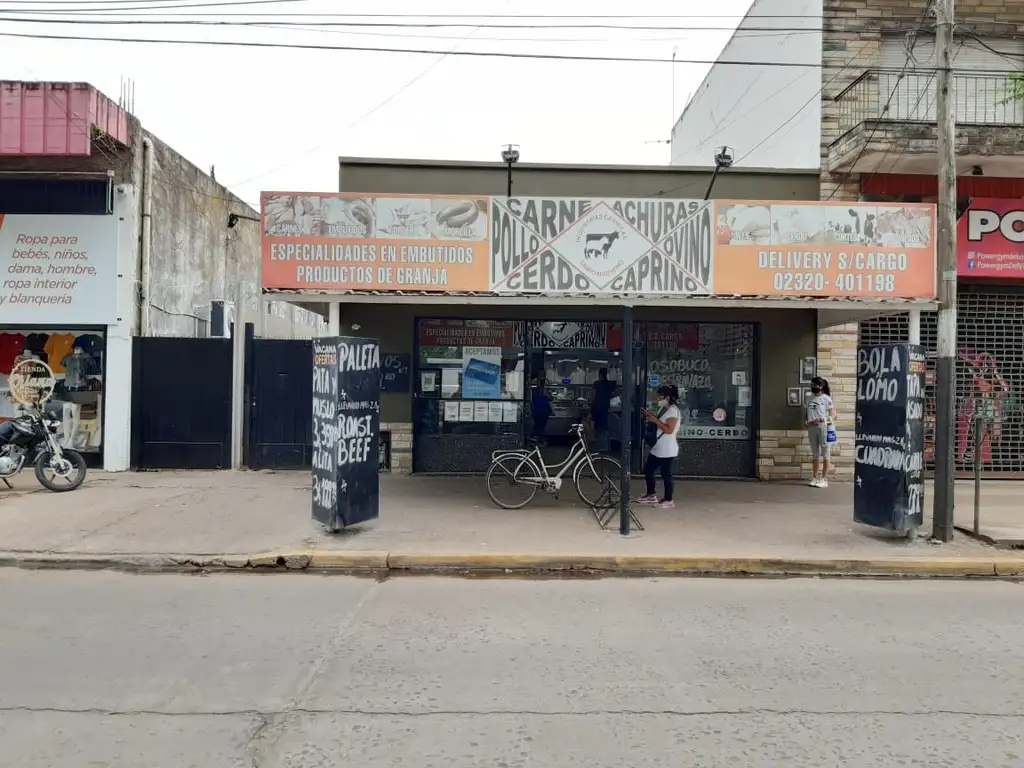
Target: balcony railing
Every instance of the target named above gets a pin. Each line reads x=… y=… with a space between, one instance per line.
x=980 y=98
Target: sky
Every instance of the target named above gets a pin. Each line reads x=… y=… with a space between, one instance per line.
x=278 y=119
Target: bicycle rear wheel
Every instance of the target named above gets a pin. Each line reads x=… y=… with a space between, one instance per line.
x=598 y=481
x=504 y=481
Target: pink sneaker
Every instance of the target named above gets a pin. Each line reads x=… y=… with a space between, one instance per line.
x=665 y=505
x=652 y=499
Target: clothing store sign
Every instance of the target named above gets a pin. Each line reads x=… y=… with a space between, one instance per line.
x=604 y=246
x=58 y=270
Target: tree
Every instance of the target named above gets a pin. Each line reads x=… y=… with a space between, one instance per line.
x=1016 y=87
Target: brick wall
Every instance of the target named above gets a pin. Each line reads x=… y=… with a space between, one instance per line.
x=401 y=446
x=786 y=454
x=851 y=43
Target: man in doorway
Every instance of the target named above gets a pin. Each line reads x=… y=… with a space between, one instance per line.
x=540 y=407
x=600 y=408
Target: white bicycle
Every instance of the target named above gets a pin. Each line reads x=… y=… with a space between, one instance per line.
x=595 y=477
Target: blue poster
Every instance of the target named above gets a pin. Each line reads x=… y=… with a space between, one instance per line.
x=481 y=373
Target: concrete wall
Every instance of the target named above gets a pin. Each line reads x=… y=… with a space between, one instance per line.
x=770 y=116
x=786 y=336
x=372 y=175
x=195 y=255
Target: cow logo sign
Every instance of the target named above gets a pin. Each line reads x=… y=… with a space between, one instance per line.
x=645 y=247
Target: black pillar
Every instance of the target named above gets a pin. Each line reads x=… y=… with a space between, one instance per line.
x=627 y=417
x=508 y=192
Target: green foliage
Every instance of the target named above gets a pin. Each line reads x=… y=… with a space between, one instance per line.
x=1016 y=87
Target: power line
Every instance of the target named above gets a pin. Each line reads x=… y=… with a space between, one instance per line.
x=411 y=51
x=369 y=113
x=147 y=5
x=791 y=118
x=911 y=43
x=136 y=21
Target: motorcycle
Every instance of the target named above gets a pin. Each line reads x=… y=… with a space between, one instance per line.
x=33 y=440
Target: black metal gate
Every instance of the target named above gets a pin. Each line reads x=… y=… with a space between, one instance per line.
x=280 y=392
x=181 y=403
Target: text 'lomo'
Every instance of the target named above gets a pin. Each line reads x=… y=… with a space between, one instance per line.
x=877 y=374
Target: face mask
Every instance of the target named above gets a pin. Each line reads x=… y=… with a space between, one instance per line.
x=662 y=403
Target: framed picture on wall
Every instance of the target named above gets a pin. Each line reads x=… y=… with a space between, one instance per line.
x=793 y=397
x=808 y=369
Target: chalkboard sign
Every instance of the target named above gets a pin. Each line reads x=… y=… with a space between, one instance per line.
x=394 y=373
x=346 y=428
x=889 y=437
x=325 y=420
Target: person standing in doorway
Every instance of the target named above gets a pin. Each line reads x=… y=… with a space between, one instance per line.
x=665 y=447
x=600 y=407
x=540 y=407
x=820 y=410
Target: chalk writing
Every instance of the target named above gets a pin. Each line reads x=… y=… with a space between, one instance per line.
x=889 y=438
x=325 y=431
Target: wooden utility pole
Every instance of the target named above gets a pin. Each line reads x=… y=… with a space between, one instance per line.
x=945 y=364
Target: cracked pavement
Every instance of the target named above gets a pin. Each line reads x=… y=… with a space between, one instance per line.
x=127 y=671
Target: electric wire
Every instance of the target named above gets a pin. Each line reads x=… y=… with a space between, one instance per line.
x=911 y=43
x=797 y=113
x=366 y=115
x=411 y=51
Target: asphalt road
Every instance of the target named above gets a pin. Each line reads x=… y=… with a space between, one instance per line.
x=119 y=671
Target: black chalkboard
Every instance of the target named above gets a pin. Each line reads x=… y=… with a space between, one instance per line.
x=889 y=437
x=346 y=430
x=394 y=371
x=325 y=420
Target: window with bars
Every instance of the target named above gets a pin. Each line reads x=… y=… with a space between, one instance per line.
x=989 y=370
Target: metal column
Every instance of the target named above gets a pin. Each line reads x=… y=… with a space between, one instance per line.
x=628 y=385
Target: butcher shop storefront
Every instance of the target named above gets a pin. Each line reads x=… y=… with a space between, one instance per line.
x=483 y=300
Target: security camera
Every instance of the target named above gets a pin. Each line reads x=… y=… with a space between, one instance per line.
x=510 y=154
x=724 y=157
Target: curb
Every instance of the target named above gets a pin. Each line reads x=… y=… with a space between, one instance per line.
x=371 y=562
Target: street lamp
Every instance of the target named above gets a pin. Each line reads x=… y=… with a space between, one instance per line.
x=510 y=156
x=724 y=158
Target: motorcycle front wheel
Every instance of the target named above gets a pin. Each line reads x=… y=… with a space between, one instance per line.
x=66 y=472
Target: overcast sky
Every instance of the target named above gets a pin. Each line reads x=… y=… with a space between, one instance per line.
x=279 y=118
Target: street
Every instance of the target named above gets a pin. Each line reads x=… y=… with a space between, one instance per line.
x=115 y=670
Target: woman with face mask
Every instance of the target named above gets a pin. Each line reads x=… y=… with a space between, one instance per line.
x=665 y=447
x=820 y=410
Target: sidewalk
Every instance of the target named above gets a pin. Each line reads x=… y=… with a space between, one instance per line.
x=1002 y=513
x=216 y=514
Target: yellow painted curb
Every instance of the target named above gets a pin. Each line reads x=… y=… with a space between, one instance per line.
x=294 y=560
x=438 y=562
x=1009 y=567
x=499 y=561
x=349 y=560
x=703 y=565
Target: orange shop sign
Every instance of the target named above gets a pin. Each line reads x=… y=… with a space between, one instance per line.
x=349 y=242
x=825 y=249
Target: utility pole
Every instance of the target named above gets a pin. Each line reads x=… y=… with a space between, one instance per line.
x=945 y=364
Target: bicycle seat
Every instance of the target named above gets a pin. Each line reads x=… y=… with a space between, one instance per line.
x=576 y=428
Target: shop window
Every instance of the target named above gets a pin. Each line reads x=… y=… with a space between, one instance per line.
x=712 y=364
x=470 y=377
x=77 y=360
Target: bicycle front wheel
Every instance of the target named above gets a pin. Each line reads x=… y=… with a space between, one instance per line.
x=598 y=481
x=505 y=483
